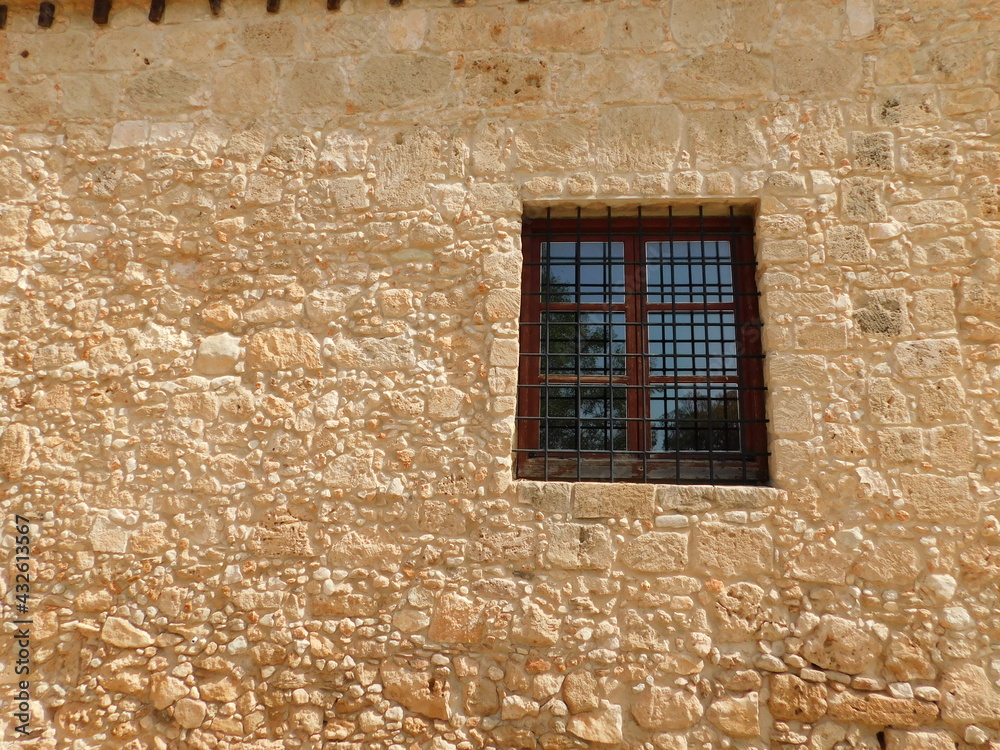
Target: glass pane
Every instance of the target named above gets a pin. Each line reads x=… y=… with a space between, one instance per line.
x=683 y=271
x=687 y=344
x=592 y=342
x=583 y=272
x=589 y=418
x=697 y=418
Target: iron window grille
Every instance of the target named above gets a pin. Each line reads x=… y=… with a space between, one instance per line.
x=641 y=351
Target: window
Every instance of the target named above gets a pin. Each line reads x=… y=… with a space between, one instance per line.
x=640 y=351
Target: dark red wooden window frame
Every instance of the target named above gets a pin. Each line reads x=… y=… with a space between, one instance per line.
x=638 y=463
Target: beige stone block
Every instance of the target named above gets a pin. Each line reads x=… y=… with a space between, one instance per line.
x=457 y=619
x=848 y=245
x=575 y=546
x=27 y=103
x=842 y=645
x=934 y=309
x=928 y=358
x=314 y=85
x=877 y=710
x=89 y=95
x=161 y=91
x=642 y=28
x=822 y=143
x=941 y=399
x=872 y=152
x=819 y=563
x=845 y=441
x=663 y=708
x=446 y=402
x=890 y=562
x=506 y=79
x=734 y=550
x=603 y=726
x=274 y=37
x=887 y=403
x=900 y=444
x=907 y=660
x=404 y=166
x=793 y=699
x=385 y=82
x=968 y=101
x=940 y=499
x=814 y=72
x=825 y=337
x=368 y=354
x=108 y=536
x=944 y=61
x=720 y=183
x=190 y=713
x=545 y=497
x=736 y=717
x=752 y=20
x=726 y=74
x=781 y=227
x=281 y=535
x=747 y=498
x=15 y=449
x=217 y=355
x=722 y=138
x=811 y=22
x=439 y=517
x=165 y=690
x=685 y=498
x=551 y=145
x=247 y=87
x=898 y=739
x=150 y=539
x=928 y=157
x=283 y=349
x=493 y=546
x=979 y=298
x=688 y=183
x=906 y=105
x=221 y=689
x=633 y=139
x=495 y=198
x=656 y=552
x=472 y=29
x=613 y=500
x=784 y=251
x=791 y=413
x=567 y=28
x=13 y=226
x=698 y=23
x=580 y=692
x=503 y=304
x=800 y=303
x=931 y=212
x=364 y=549
x=420 y=691
x=952 y=446
x=861 y=199
x=536 y=627
x=123 y=634
x=968 y=696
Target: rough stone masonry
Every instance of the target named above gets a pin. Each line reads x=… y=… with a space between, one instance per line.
x=258 y=346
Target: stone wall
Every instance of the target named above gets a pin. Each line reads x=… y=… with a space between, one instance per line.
x=258 y=347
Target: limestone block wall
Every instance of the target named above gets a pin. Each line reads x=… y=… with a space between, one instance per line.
x=259 y=289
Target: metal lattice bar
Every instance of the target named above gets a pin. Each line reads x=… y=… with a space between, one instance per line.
x=640 y=351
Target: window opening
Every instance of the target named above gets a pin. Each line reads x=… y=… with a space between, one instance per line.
x=640 y=351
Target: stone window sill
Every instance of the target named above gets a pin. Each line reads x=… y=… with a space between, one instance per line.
x=665 y=505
